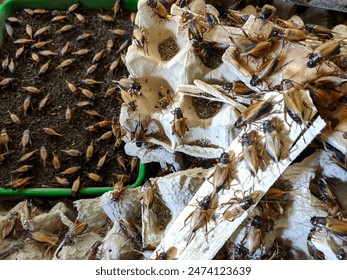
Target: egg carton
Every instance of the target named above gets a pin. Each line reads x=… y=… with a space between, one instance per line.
x=207 y=137
x=187 y=79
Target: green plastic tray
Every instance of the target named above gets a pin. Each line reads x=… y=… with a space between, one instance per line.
x=7 y=8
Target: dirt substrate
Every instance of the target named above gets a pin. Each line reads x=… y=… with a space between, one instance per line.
x=74 y=135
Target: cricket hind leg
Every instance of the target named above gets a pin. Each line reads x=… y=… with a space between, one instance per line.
x=190 y=237
x=309 y=122
x=254 y=177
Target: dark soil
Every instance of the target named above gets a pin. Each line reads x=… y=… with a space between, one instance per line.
x=73 y=133
x=209 y=53
x=167 y=49
x=205 y=108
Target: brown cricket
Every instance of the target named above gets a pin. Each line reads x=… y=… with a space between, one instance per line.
x=334 y=225
x=200 y=216
x=76 y=185
x=238 y=206
x=249 y=154
x=222 y=175
x=50 y=239
x=4 y=138
x=131 y=231
x=43 y=154
x=70 y=170
x=72 y=152
x=255 y=112
x=179 y=126
x=56 y=162
x=25 y=139
x=292 y=101
x=101 y=161
x=89 y=151
x=50 y=131
x=27 y=156
x=18 y=183
x=158 y=8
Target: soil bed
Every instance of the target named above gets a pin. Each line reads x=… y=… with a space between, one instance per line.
x=167 y=49
x=74 y=135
